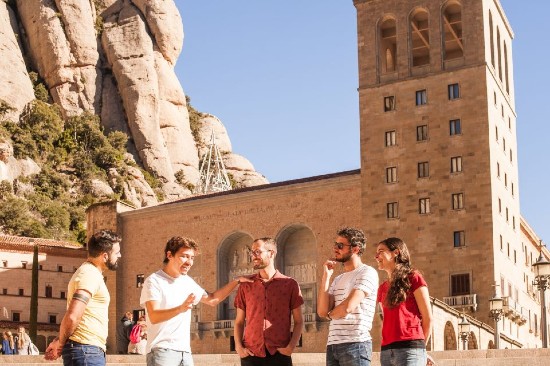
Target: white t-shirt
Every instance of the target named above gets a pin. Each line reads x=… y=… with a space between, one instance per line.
x=170 y=292
x=355 y=326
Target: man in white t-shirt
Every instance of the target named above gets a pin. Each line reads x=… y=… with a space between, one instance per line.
x=168 y=296
x=349 y=302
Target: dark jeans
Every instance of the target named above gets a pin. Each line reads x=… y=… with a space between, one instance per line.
x=349 y=354
x=78 y=354
x=269 y=360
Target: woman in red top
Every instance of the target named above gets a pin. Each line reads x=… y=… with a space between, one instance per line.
x=405 y=300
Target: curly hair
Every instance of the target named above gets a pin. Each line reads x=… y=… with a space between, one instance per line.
x=355 y=237
x=177 y=242
x=102 y=242
x=400 y=279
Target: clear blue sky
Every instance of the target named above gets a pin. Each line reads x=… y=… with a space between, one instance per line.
x=282 y=77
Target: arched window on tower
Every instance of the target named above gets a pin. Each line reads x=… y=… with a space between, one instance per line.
x=492 y=39
x=452 y=35
x=388 y=46
x=506 y=70
x=420 y=38
x=499 y=55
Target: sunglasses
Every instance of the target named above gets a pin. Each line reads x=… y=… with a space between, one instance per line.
x=340 y=245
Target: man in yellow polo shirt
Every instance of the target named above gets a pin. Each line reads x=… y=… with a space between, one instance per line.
x=83 y=331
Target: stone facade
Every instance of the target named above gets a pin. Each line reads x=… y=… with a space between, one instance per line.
x=57 y=260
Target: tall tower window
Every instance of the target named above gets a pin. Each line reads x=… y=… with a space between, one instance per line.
x=389 y=103
x=454 y=91
x=455 y=128
x=492 y=39
x=452 y=35
x=422 y=133
x=421 y=97
x=458 y=201
x=392 y=210
x=423 y=169
x=499 y=55
x=456 y=164
x=388 y=46
x=506 y=78
x=390 y=138
x=420 y=38
x=459 y=239
x=424 y=206
x=391 y=174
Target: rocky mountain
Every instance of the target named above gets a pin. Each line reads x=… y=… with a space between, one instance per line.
x=113 y=60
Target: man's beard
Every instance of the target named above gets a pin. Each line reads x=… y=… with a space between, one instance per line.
x=260 y=265
x=344 y=258
x=112 y=266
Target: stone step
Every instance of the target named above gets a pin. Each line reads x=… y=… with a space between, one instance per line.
x=505 y=357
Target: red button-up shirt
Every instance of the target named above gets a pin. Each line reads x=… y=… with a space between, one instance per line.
x=268 y=307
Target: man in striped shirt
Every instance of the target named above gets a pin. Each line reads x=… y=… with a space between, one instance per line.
x=349 y=302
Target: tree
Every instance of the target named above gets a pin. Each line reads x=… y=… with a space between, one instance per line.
x=34 y=294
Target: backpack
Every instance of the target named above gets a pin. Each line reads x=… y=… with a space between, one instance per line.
x=33 y=350
x=135 y=334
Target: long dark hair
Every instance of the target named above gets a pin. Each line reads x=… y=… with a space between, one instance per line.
x=400 y=283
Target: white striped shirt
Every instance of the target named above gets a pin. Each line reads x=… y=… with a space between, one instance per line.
x=355 y=326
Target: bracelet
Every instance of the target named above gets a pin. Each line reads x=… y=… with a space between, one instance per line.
x=237 y=279
x=328 y=316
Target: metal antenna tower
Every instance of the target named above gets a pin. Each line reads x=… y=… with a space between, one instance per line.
x=212 y=174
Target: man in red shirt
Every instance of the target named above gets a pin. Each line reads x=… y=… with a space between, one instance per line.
x=266 y=304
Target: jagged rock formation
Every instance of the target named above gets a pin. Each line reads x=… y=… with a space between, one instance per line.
x=114 y=59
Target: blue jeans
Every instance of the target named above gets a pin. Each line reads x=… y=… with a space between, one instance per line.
x=78 y=354
x=168 y=357
x=403 y=357
x=349 y=354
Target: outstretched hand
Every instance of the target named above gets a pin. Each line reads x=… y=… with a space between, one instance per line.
x=243 y=279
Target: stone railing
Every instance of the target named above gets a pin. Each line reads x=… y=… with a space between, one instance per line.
x=462 y=301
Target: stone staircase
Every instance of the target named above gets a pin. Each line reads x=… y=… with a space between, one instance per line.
x=504 y=357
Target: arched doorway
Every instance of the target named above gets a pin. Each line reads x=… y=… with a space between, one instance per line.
x=233 y=260
x=472 y=341
x=297 y=258
x=450 y=337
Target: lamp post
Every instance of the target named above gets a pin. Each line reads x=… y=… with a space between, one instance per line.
x=464 y=330
x=495 y=312
x=542 y=276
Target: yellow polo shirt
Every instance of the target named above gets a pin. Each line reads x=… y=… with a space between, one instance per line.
x=93 y=326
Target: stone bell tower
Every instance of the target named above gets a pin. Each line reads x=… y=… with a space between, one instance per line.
x=438 y=145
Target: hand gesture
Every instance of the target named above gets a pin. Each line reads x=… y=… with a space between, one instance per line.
x=242 y=279
x=328 y=267
x=243 y=351
x=53 y=352
x=188 y=303
x=287 y=351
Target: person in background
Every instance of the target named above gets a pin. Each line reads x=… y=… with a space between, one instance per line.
x=405 y=301
x=140 y=347
x=123 y=332
x=23 y=342
x=8 y=345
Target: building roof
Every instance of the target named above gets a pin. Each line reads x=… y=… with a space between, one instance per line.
x=26 y=244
